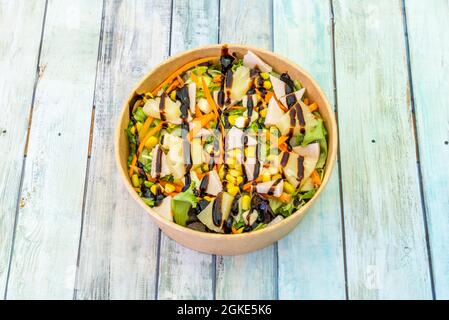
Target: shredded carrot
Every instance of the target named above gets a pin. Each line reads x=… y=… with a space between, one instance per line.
x=306 y=101
x=173 y=85
x=181 y=82
x=195 y=79
x=285 y=197
x=281 y=105
x=150 y=133
x=313 y=107
x=198 y=113
x=315 y=178
x=217 y=78
x=268 y=96
x=282 y=139
x=283 y=147
x=178 y=187
x=237 y=231
x=247 y=185
x=202 y=122
x=209 y=98
x=132 y=167
x=146 y=125
x=182 y=69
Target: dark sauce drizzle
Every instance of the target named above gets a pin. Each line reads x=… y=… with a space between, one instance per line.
x=216 y=210
x=273 y=186
x=226 y=61
x=182 y=95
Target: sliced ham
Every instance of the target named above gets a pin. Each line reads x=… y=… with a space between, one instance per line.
x=164 y=209
x=192 y=96
x=165 y=170
x=298 y=94
x=278 y=86
x=252 y=61
x=274 y=113
x=265 y=187
x=234 y=139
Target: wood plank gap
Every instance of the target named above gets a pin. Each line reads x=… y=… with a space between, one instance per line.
x=415 y=135
x=89 y=150
x=334 y=67
x=159 y=235
x=19 y=193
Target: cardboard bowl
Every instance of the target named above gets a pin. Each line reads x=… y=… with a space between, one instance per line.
x=226 y=244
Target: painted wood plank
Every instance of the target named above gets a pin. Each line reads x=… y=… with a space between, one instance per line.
x=311 y=262
x=429 y=55
x=20 y=34
x=118 y=258
x=385 y=236
x=184 y=273
x=49 y=220
x=250 y=276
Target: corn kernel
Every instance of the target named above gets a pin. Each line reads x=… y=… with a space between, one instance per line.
x=231 y=179
x=135 y=180
x=276 y=177
x=246 y=202
x=267 y=84
x=239 y=179
x=133 y=130
x=139 y=126
x=288 y=188
x=208 y=198
x=153 y=189
x=266 y=177
x=233 y=190
x=230 y=161
x=151 y=142
x=221 y=172
x=234 y=173
x=263 y=113
x=264 y=75
x=173 y=95
x=232 y=119
x=169 y=188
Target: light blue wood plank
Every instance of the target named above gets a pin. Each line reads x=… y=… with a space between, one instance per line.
x=384 y=227
x=311 y=262
x=118 y=257
x=251 y=276
x=49 y=221
x=184 y=273
x=428 y=23
x=20 y=34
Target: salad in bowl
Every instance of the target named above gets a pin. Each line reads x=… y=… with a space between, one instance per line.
x=226 y=144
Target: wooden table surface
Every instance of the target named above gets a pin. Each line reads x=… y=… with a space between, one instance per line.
x=68 y=227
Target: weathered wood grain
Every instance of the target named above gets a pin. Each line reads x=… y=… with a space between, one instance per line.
x=184 y=273
x=118 y=258
x=385 y=235
x=20 y=34
x=49 y=220
x=429 y=57
x=311 y=257
x=251 y=276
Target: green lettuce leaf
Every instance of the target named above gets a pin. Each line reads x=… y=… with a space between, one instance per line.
x=285 y=210
x=139 y=115
x=318 y=134
x=181 y=204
